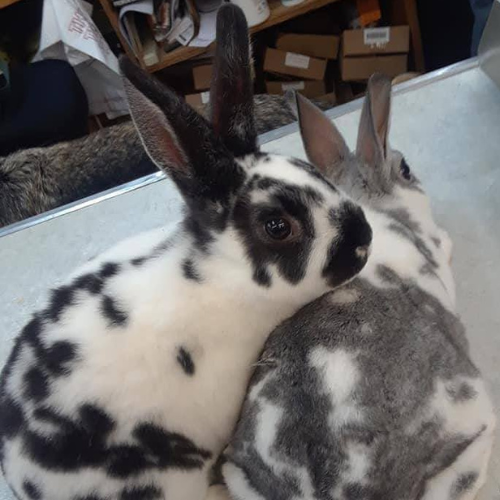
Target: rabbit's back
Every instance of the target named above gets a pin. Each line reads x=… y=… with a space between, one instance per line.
x=326 y=419
x=40 y=179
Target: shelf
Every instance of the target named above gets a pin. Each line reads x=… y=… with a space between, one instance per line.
x=279 y=14
x=6 y=3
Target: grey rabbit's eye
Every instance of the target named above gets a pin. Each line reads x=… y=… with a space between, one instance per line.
x=278 y=228
x=405 y=170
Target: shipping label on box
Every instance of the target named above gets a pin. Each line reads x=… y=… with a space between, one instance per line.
x=389 y=40
x=320 y=46
x=290 y=63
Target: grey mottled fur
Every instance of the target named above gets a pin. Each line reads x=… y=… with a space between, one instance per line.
x=368 y=393
x=40 y=179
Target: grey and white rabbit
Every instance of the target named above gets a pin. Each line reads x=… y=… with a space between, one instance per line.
x=128 y=383
x=35 y=180
x=369 y=392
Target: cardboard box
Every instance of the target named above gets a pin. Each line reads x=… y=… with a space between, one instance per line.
x=361 y=68
x=202 y=76
x=327 y=99
x=290 y=63
x=197 y=101
x=306 y=88
x=369 y=11
x=370 y=41
x=321 y=46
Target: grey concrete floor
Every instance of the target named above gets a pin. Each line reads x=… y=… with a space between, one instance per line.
x=449 y=131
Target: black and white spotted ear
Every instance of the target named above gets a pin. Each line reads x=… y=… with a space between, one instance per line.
x=325 y=147
x=231 y=93
x=179 y=140
x=372 y=145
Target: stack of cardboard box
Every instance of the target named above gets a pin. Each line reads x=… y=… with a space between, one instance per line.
x=371 y=50
x=202 y=76
x=299 y=62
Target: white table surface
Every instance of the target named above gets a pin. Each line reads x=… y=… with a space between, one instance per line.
x=448 y=127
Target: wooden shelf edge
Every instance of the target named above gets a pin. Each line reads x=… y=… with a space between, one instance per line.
x=6 y=3
x=279 y=14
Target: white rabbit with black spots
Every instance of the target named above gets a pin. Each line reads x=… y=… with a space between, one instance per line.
x=128 y=384
x=369 y=392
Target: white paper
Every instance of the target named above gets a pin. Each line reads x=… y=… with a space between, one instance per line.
x=376 y=36
x=206 y=35
x=140 y=6
x=292 y=86
x=297 y=60
x=69 y=33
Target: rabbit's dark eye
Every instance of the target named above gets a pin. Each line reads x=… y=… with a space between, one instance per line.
x=405 y=170
x=278 y=228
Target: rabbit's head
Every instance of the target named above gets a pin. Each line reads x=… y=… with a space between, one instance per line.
x=376 y=176
x=269 y=220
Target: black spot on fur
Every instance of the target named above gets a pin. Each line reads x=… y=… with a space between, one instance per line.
x=262 y=277
x=108 y=270
x=418 y=242
x=461 y=392
x=141 y=493
x=33 y=329
x=354 y=232
x=36 y=384
x=436 y=241
x=11 y=418
x=201 y=234
x=110 y=310
x=31 y=490
x=58 y=357
x=312 y=171
x=157 y=449
x=96 y=420
x=73 y=444
x=61 y=298
x=290 y=257
x=307 y=192
x=93 y=283
x=190 y=272
x=385 y=273
x=463 y=483
x=170 y=448
x=138 y=261
x=186 y=361
x=127 y=460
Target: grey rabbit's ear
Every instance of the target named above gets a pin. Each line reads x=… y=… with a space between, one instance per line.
x=231 y=93
x=325 y=147
x=373 y=132
x=179 y=140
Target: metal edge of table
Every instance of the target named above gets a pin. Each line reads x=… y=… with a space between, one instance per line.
x=273 y=135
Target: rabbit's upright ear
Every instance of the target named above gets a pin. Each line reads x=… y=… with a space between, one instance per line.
x=178 y=139
x=373 y=132
x=231 y=94
x=325 y=147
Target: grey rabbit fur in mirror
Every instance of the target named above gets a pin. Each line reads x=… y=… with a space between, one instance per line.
x=369 y=392
x=36 y=180
x=126 y=384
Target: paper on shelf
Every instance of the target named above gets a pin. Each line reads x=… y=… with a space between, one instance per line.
x=206 y=35
x=69 y=33
x=141 y=7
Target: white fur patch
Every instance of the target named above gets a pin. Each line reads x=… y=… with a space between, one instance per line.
x=340 y=376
